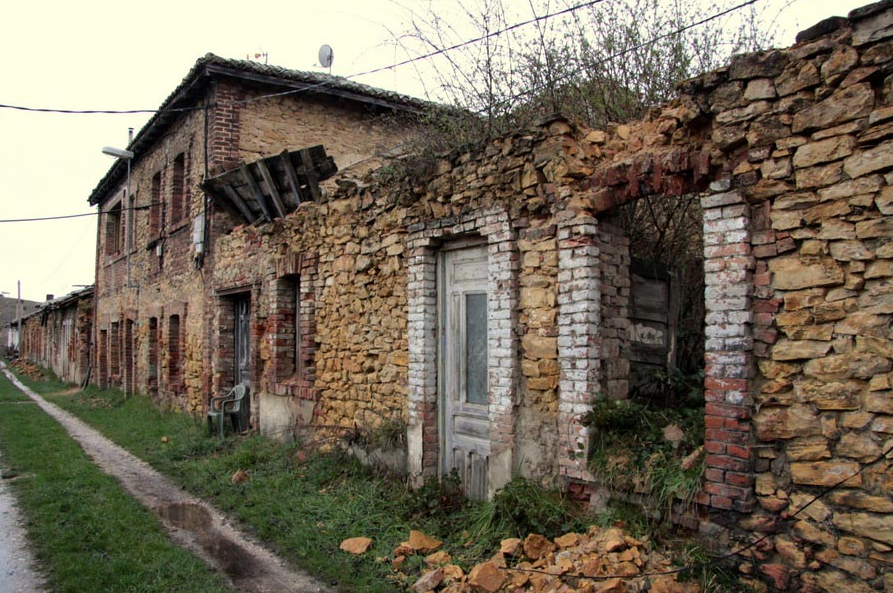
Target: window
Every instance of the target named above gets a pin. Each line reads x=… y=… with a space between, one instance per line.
x=155 y=207
x=115 y=352
x=288 y=334
x=178 y=189
x=113 y=227
x=103 y=355
x=153 y=356
x=173 y=351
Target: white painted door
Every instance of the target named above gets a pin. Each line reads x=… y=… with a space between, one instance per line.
x=242 y=339
x=464 y=373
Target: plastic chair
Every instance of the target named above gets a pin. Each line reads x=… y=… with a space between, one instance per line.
x=229 y=405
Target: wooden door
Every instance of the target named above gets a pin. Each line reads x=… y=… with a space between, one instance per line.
x=242 y=337
x=653 y=314
x=464 y=372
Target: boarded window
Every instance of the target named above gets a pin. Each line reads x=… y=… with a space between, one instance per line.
x=152 y=378
x=652 y=318
x=115 y=351
x=174 y=363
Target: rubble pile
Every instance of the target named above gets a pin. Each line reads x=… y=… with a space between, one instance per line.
x=30 y=370
x=602 y=560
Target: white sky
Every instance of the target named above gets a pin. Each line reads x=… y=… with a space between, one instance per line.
x=130 y=55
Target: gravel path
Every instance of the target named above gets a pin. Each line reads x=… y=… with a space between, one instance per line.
x=17 y=567
x=192 y=523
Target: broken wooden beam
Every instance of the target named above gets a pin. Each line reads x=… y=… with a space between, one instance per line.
x=310 y=174
x=292 y=176
x=258 y=194
x=271 y=185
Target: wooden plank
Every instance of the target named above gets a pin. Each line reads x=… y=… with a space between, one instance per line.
x=292 y=176
x=310 y=173
x=274 y=191
x=239 y=203
x=255 y=188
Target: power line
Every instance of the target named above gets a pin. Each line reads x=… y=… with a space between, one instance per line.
x=628 y=50
x=41 y=218
x=94 y=111
x=65 y=216
x=429 y=55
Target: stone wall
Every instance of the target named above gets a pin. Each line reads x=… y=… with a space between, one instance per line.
x=376 y=244
x=791 y=153
x=163 y=280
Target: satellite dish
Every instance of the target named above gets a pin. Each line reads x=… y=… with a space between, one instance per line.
x=326 y=55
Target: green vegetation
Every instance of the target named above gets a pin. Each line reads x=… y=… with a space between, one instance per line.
x=305 y=504
x=650 y=445
x=86 y=531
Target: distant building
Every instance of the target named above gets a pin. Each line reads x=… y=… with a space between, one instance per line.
x=9 y=313
x=57 y=335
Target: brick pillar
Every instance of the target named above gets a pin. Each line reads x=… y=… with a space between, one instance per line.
x=728 y=350
x=421 y=292
x=502 y=351
x=579 y=349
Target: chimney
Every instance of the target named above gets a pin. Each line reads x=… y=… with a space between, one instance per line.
x=50 y=297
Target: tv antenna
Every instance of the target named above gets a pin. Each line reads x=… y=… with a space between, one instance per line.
x=326 y=56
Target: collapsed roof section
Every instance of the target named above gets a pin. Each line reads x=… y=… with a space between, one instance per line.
x=274 y=186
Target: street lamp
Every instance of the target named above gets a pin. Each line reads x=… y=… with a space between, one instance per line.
x=125 y=155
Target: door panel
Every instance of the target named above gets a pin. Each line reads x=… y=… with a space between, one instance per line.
x=464 y=369
x=242 y=335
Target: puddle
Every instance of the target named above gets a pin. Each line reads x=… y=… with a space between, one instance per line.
x=185 y=515
x=228 y=556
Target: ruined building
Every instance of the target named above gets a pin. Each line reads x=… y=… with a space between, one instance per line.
x=482 y=304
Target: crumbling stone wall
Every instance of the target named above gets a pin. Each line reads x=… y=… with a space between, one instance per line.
x=375 y=296
x=791 y=154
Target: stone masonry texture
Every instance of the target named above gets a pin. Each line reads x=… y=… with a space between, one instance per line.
x=790 y=153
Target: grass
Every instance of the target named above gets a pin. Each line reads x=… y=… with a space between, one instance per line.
x=641 y=448
x=304 y=505
x=86 y=532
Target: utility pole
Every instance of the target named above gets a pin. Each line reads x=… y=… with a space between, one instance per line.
x=19 y=319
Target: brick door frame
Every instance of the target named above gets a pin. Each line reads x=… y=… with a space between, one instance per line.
x=423 y=431
x=728 y=350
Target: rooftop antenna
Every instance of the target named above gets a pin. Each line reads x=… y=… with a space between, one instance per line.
x=326 y=56
x=258 y=55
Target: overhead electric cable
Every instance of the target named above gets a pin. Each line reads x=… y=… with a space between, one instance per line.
x=64 y=216
x=405 y=62
x=322 y=83
x=94 y=111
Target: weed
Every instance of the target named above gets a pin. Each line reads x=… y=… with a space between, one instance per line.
x=437 y=498
x=651 y=449
x=713 y=576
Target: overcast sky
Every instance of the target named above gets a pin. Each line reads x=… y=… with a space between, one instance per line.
x=130 y=55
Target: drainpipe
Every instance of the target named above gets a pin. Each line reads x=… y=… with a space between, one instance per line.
x=128 y=227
